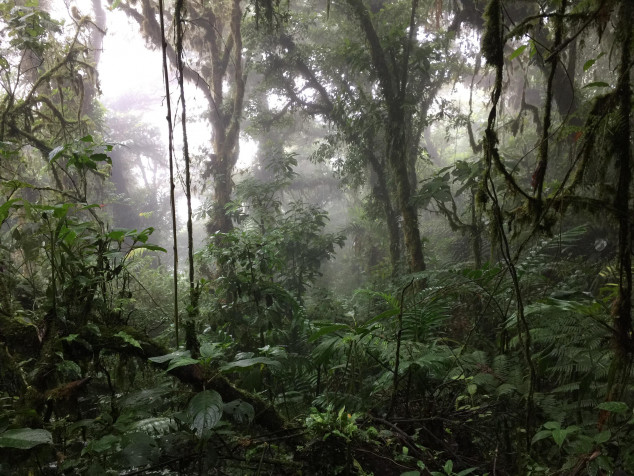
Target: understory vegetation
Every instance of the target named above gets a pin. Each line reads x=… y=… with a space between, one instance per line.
x=372 y=238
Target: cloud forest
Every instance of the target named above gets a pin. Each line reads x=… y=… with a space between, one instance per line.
x=345 y=237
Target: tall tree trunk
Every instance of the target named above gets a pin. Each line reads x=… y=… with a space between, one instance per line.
x=225 y=113
x=382 y=193
x=219 y=44
x=393 y=80
x=96 y=44
x=397 y=156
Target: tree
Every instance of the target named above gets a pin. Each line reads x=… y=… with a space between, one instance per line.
x=378 y=107
x=214 y=37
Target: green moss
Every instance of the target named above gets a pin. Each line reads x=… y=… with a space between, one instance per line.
x=492 y=39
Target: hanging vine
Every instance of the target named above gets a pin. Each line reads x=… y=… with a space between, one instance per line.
x=190 y=332
x=492 y=49
x=171 y=166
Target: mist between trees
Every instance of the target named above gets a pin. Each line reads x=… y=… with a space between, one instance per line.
x=316 y=238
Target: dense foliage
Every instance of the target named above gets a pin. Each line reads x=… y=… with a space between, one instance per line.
x=424 y=268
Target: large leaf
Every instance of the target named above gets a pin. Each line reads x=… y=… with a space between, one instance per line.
x=182 y=362
x=129 y=339
x=205 y=411
x=241 y=411
x=597 y=84
x=25 y=438
x=540 y=435
x=246 y=363
x=151 y=248
x=613 y=407
x=103 y=444
x=4 y=209
x=561 y=434
x=56 y=153
x=517 y=52
x=174 y=355
x=155 y=425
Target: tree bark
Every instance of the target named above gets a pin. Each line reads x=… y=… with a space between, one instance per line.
x=382 y=193
x=393 y=81
x=222 y=57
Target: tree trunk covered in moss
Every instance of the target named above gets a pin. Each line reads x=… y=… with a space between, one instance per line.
x=397 y=155
x=393 y=80
x=225 y=112
x=382 y=193
x=215 y=33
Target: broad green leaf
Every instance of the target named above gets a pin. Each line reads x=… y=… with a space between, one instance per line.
x=411 y=473
x=560 y=436
x=245 y=363
x=60 y=211
x=209 y=350
x=464 y=472
x=117 y=234
x=167 y=357
x=144 y=235
x=151 y=248
x=552 y=425
x=588 y=64
x=101 y=445
x=100 y=157
x=129 y=339
x=181 y=363
x=602 y=437
x=56 y=152
x=205 y=410
x=448 y=468
x=614 y=407
x=472 y=388
x=25 y=438
x=4 y=209
x=69 y=237
x=597 y=84
x=540 y=435
x=155 y=425
x=533 y=50
x=241 y=411
x=518 y=52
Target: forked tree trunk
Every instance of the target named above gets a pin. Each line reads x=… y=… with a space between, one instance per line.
x=393 y=80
